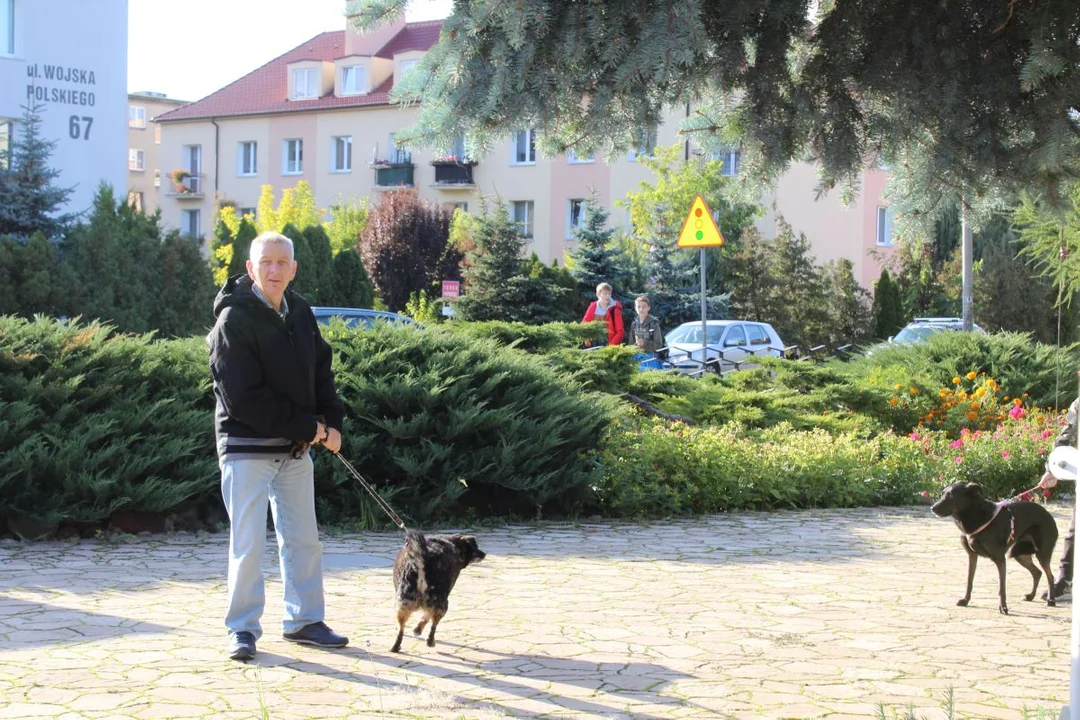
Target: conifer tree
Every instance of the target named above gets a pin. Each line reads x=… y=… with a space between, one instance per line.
x=222 y=251
x=323 y=264
x=888 y=308
x=596 y=259
x=306 y=280
x=959 y=97
x=29 y=201
x=496 y=284
x=850 y=319
x=351 y=281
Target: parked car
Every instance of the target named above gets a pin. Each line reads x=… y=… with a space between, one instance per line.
x=354 y=317
x=729 y=345
x=919 y=329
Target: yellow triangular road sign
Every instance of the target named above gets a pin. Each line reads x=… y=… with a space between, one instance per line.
x=700 y=229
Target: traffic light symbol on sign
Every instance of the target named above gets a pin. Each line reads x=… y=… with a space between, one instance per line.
x=700 y=229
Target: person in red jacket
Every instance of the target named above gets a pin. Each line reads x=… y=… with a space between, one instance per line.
x=609 y=310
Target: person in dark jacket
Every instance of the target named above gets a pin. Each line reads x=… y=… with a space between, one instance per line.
x=645 y=330
x=1067 y=436
x=275 y=396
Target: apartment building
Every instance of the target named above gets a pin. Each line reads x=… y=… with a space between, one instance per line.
x=322 y=113
x=145 y=175
x=68 y=59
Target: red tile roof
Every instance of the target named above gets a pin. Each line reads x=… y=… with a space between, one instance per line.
x=265 y=91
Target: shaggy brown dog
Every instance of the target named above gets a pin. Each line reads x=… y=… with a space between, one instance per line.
x=1021 y=529
x=424 y=574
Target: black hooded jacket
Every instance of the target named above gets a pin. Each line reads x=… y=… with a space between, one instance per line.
x=272 y=376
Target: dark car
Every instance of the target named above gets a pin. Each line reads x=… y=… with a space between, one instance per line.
x=355 y=317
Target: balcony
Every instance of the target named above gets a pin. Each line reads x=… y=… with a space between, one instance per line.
x=453 y=174
x=393 y=174
x=186 y=185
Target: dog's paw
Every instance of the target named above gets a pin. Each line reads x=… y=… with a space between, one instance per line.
x=1004 y=609
x=431 y=642
x=1029 y=597
x=396 y=648
x=1051 y=602
x=962 y=602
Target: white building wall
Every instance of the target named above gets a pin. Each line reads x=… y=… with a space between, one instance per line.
x=70 y=57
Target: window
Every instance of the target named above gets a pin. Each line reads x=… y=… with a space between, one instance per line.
x=7 y=130
x=135 y=200
x=341 y=154
x=457 y=149
x=573 y=159
x=646 y=145
x=305 y=84
x=157 y=178
x=191 y=223
x=241 y=212
x=292 y=162
x=729 y=161
x=136 y=160
x=735 y=337
x=136 y=117
x=246 y=162
x=397 y=155
x=524 y=147
x=157 y=134
x=462 y=206
x=353 y=80
x=406 y=66
x=7 y=27
x=523 y=217
x=575 y=216
x=192 y=160
x=756 y=334
x=884 y=226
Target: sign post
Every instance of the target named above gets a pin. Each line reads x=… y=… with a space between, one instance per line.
x=699 y=230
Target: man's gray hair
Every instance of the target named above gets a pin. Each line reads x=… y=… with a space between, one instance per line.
x=266 y=238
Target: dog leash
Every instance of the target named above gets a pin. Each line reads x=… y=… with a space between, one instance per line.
x=371 y=491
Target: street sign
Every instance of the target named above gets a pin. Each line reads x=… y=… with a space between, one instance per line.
x=451 y=288
x=700 y=229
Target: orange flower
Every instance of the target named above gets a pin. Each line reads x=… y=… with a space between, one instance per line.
x=956 y=381
x=913 y=391
x=1017 y=402
x=974 y=406
x=971 y=375
x=893 y=401
x=972 y=415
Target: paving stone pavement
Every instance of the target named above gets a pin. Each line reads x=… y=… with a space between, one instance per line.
x=752 y=615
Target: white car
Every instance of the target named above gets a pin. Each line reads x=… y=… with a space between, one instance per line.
x=729 y=345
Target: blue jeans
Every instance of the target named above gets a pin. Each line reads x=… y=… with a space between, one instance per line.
x=289 y=486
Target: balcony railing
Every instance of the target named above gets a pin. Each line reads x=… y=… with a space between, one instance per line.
x=394 y=174
x=453 y=173
x=190 y=188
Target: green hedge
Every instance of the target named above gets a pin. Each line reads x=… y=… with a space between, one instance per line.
x=93 y=423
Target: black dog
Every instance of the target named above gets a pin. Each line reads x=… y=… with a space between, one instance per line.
x=424 y=574
x=990 y=529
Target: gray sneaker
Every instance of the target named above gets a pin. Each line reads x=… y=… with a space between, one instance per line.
x=241 y=645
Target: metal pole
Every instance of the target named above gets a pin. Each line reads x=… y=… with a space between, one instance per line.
x=965 y=231
x=704 y=325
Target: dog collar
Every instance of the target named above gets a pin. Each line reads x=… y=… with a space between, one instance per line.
x=986 y=524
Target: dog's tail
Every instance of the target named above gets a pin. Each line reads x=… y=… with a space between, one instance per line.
x=414 y=550
x=414 y=543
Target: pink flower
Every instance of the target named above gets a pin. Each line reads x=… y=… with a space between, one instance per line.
x=964 y=431
x=1025 y=496
x=1016 y=412
x=959 y=459
x=957 y=443
x=1005 y=454
x=914 y=436
x=1047 y=433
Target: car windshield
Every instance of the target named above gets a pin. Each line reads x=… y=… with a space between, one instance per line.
x=690 y=333
x=917 y=333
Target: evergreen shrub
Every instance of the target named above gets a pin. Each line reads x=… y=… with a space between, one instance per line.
x=93 y=422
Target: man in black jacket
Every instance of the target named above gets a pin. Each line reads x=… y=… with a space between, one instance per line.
x=275 y=395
